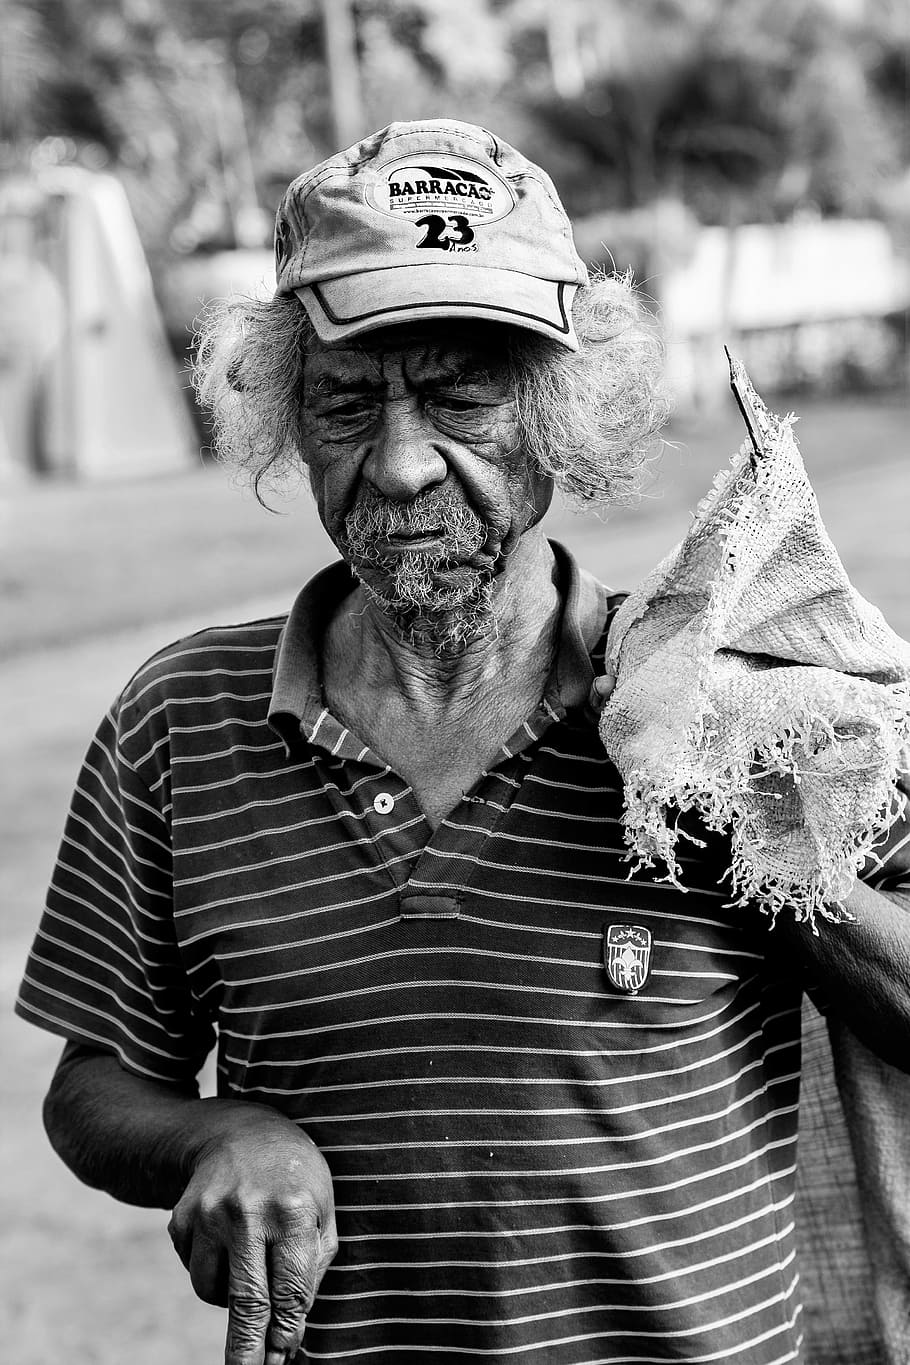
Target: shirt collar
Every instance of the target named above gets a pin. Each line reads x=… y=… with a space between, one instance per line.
x=298 y=707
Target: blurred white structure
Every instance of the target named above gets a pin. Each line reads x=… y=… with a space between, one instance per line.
x=87 y=384
x=820 y=276
x=187 y=285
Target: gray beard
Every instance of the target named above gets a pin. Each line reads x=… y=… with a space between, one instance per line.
x=439 y=599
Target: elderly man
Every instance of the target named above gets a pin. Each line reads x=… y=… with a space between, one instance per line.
x=480 y=1094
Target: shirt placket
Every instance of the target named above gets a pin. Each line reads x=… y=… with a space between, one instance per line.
x=384 y=802
x=451 y=859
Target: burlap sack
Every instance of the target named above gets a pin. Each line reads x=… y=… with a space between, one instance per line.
x=756 y=686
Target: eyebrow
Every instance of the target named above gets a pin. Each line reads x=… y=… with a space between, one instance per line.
x=331 y=385
x=455 y=373
x=479 y=374
x=459 y=376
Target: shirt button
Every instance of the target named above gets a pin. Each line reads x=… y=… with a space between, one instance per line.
x=383 y=803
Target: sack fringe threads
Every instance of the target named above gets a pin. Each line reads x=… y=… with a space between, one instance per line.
x=757 y=689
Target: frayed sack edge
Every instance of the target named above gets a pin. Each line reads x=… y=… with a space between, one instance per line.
x=725 y=799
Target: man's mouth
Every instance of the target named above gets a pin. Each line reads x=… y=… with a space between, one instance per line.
x=415 y=540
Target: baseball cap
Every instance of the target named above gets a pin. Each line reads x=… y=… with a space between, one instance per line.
x=429 y=219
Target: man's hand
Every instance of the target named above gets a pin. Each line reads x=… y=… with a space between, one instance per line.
x=255 y=1228
x=601 y=688
x=254 y=1217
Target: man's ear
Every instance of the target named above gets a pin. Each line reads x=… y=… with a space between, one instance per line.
x=542 y=488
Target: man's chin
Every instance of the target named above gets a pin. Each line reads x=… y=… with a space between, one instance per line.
x=444 y=608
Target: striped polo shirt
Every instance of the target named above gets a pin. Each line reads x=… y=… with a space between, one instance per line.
x=532 y=1158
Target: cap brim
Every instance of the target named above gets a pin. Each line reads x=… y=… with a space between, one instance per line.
x=347 y=306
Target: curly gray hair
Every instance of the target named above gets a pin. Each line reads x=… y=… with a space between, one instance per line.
x=588 y=418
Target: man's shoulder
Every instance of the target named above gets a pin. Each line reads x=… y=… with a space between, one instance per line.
x=604 y=604
x=589 y=603
x=205 y=663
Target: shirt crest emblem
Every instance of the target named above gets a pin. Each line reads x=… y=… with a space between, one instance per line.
x=627 y=956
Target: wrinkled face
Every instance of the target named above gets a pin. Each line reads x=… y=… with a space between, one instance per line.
x=412 y=442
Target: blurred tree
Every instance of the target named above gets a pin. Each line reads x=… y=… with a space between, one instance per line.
x=743 y=108
x=40 y=95
x=740 y=108
x=343 y=69
x=167 y=92
x=26 y=71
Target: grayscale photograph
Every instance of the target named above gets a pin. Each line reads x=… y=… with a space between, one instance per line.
x=454 y=619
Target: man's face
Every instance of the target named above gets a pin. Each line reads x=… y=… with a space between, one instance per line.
x=412 y=442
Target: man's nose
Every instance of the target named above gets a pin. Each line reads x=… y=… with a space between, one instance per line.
x=404 y=458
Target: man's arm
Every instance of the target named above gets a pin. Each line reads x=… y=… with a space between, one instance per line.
x=862 y=968
x=253 y=1218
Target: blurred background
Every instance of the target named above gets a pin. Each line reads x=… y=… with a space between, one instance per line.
x=749 y=159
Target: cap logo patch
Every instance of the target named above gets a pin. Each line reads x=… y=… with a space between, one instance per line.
x=627 y=956
x=448 y=196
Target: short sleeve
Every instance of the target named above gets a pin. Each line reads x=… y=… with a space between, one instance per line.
x=105 y=968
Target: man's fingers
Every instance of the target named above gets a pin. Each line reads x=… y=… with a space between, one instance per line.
x=286 y=1330
x=249 y=1306
x=601 y=688
x=328 y=1243
x=294 y=1276
x=209 y=1271
x=203 y=1256
x=180 y=1231
x=248 y=1323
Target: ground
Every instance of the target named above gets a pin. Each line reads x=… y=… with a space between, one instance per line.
x=97 y=579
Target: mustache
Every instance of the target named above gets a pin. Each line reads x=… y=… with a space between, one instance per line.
x=375 y=518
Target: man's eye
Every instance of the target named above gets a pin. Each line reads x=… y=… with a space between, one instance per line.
x=451 y=403
x=357 y=407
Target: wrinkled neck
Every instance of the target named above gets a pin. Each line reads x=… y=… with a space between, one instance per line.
x=514 y=650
